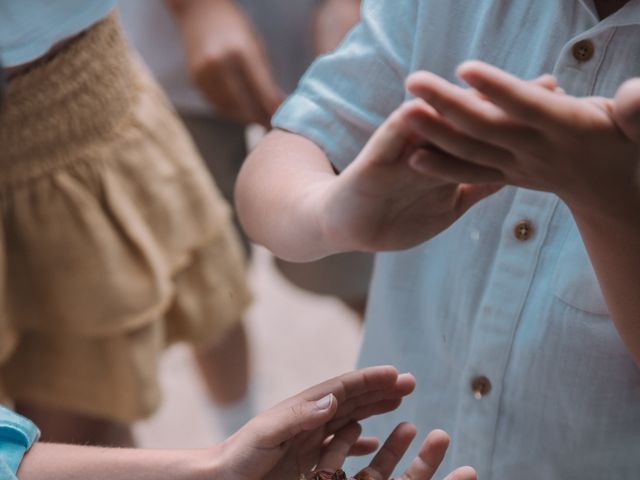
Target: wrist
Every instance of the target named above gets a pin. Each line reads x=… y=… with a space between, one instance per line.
x=205 y=464
x=619 y=208
x=321 y=202
x=338 y=232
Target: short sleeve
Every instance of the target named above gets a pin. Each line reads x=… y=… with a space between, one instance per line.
x=17 y=434
x=346 y=95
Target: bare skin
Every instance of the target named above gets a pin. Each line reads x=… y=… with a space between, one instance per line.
x=227 y=59
x=513 y=133
x=377 y=203
x=585 y=150
x=315 y=428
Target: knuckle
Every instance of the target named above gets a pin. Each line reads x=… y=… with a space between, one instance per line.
x=409 y=110
x=487 y=129
x=296 y=411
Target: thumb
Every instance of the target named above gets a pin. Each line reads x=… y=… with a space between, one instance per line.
x=283 y=422
x=626 y=109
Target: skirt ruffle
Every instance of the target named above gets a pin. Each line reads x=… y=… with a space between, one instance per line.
x=119 y=234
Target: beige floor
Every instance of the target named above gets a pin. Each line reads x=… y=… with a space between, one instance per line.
x=298 y=339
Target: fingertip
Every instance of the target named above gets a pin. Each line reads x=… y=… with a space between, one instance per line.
x=370 y=440
x=469 y=67
x=407 y=382
x=463 y=473
x=388 y=373
x=439 y=436
x=407 y=376
x=413 y=78
x=418 y=82
x=477 y=74
x=407 y=429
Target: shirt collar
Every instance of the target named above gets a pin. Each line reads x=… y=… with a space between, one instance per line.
x=627 y=15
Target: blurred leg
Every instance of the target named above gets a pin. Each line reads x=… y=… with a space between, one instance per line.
x=62 y=426
x=225 y=366
x=225 y=370
x=223 y=147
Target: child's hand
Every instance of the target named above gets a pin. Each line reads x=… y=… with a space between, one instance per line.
x=584 y=150
x=227 y=60
x=379 y=203
x=317 y=429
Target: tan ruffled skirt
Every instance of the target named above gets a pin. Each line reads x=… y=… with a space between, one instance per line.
x=114 y=241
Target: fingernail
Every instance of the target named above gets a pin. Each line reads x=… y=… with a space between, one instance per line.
x=325 y=402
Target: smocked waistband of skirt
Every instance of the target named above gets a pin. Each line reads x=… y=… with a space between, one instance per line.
x=76 y=98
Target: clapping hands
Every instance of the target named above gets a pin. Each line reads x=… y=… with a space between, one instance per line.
x=585 y=150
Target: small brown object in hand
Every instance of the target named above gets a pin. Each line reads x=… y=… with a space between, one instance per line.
x=362 y=475
x=327 y=475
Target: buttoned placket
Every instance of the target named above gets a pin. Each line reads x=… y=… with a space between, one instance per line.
x=523 y=235
x=495 y=325
x=580 y=61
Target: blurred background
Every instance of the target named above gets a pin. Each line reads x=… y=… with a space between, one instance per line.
x=296 y=339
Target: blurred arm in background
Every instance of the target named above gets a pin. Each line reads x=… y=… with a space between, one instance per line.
x=227 y=59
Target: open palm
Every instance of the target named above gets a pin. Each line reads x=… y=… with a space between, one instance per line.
x=318 y=429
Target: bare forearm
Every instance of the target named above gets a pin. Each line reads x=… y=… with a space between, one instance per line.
x=279 y=196
x=65 y=462
x=613 y=244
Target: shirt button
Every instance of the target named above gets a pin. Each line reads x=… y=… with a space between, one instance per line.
x=583 y=50
x=523 y=230
x=480 y=386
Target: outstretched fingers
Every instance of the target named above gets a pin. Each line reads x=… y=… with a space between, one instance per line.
x=526 y=101
x=361 y=413
x=378 y=390
x=352 y=384
x=434 y=163
x=394 y=448
x=405 y=384
x=470 y=113
x=429 y=458
x=284 y=422
x=341 y=446
x=462 y=473
x=372 y=403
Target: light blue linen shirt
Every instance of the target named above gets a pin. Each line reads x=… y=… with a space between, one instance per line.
x=29 y=28
x=510 y=339
x=17 y=434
